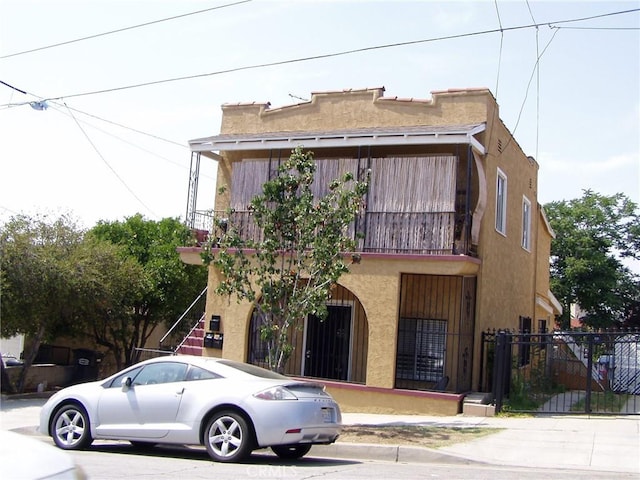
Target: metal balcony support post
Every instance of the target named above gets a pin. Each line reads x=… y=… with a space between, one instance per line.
x=192 y=194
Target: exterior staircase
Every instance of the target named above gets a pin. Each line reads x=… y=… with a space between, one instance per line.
x=192 y=344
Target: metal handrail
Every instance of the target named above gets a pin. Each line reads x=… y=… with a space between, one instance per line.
x=197 y=324
x=182 y=316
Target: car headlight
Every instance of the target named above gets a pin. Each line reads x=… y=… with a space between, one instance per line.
x=276 y=393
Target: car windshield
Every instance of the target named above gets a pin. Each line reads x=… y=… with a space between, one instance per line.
x=251 y=369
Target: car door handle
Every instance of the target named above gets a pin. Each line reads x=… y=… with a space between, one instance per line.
x=180 y=392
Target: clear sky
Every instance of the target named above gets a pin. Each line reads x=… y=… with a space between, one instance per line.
x=578 y=114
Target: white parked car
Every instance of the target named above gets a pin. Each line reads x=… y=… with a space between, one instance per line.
x=231 y=408
x=26 y=458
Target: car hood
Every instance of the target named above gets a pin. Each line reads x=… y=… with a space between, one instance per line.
x=17 y=454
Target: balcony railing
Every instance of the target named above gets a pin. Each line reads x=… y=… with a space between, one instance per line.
x=427 y=233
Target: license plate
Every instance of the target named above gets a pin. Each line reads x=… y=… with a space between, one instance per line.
x=327 y=414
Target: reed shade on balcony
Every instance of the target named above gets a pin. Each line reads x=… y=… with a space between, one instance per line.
x=411 y=205
x=247 y=178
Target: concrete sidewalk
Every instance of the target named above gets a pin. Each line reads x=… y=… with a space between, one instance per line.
x=603 y=443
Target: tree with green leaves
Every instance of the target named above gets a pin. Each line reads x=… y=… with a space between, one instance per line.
x=593 y=234
x=290 y=270
x=39 y=281
x=163 y=288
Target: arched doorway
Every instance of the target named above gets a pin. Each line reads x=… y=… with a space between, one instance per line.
x=334 y=348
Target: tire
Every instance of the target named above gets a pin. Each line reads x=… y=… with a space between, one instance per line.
x=291 y=452
x=70 y=428
x=228 y=437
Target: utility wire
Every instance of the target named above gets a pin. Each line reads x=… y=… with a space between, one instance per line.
x=337 y=54
x=597 y=28
x=527 y=90
x=168 y=160
x=156 y=137
x=41 y=99
x=61 y=111
x=12 y=87
x=501 y=44
x=111 y=32
x=110 y=167
x=537 y=70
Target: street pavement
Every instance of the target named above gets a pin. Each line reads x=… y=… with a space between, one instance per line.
x=599 y=443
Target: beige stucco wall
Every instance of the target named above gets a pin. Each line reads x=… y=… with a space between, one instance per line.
x=507 y=281
x=375 y=281
x=358 y=109
x=545 y=236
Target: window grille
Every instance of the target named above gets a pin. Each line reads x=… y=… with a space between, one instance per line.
x=421 y=349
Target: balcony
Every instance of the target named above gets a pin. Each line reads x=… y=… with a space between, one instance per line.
x=425 y=233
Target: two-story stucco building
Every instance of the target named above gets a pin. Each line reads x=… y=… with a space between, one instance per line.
x=453 y=242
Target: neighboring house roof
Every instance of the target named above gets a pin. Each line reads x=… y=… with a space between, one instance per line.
x=404 y=135
x=550 y=303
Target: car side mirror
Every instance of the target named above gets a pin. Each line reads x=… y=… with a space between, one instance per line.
x=126 y=383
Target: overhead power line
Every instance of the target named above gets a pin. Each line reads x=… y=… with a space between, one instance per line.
x=13 y=88
x=339 y=54
x=135 y=130
x=112 y=135
x=120 y=179
x=124 y=29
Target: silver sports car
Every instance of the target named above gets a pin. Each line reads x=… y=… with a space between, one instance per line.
x=229 y=407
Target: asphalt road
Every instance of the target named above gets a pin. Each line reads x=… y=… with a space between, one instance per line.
x=107 y=460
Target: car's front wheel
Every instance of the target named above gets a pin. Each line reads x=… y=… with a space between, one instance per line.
x=70 y=428
x=228 y=437
x=291 y=452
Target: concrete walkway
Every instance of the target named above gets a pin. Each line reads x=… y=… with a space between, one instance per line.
x=603 y=443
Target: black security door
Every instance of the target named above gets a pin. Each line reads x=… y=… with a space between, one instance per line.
x=327 y=344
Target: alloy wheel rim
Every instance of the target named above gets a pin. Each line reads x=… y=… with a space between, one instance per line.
x=225 y=436
x=70 y=427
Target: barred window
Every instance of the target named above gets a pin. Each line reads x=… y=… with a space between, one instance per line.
x=421 y=349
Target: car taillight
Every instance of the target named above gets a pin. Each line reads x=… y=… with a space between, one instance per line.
x=276 y=393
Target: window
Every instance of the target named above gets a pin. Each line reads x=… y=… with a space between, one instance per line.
x=197 y=373
x=162 y=372
x=526 y=223
x=542 y=325
x=501 y=203
x=117 y=382
x=421 y=349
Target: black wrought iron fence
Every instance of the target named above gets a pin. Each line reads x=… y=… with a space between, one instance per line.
x=563 y=372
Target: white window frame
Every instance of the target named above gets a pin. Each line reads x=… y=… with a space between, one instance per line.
x=501 y=202
x=526 y=223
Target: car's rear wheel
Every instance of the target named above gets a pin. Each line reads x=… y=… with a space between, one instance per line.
x=291 y=452
x=70 y=428
x=228 y=437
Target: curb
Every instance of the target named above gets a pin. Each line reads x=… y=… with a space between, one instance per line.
x=389 y=453
x=28 y=395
